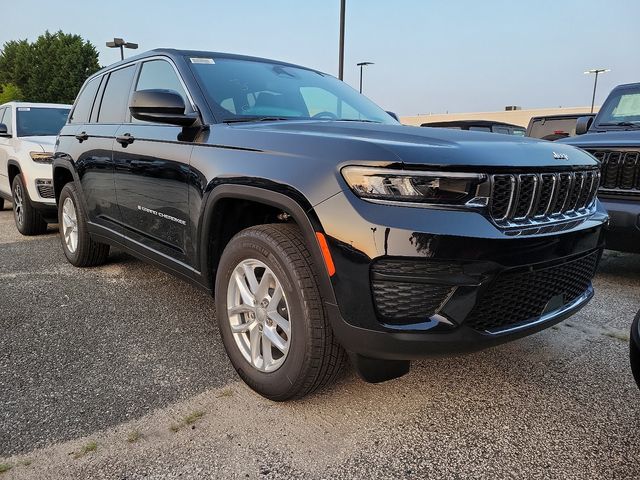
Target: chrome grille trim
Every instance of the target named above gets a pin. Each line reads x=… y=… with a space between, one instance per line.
x=572 y=196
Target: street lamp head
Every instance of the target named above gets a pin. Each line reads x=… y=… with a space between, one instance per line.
x=119 y=42
x=131 y=45
x=362 y=64
x=597 y=70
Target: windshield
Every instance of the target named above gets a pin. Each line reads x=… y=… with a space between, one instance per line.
x=553 y=128
x=621 y=107
x=245 y=90
x=40 y=121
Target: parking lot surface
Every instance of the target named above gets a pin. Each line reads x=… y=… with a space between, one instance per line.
x=118 y=372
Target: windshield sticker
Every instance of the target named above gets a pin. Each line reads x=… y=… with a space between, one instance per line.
x=628 y=106
x=204 y=61
x=24 y=109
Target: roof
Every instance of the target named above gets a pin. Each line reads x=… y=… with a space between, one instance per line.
x=35 y=104
x=563 y=115
x=175 y=53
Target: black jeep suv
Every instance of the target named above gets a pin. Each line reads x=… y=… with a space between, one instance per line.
x=613 y=137
x=322 y=225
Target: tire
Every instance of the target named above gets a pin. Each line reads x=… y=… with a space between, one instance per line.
x=28 y=219
x=83 y=252
x=634 y=349
x=314 y=357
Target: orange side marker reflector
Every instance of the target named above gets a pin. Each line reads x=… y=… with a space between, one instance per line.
x=326 y=254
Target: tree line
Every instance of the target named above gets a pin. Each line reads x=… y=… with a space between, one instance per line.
x=52 y=69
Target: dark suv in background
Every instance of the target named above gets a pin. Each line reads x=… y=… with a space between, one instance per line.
x=321 y=224
x=613 y=137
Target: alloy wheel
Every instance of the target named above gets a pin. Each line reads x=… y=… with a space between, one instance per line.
x=259 y=315
x=69 y=225
x=18 y=204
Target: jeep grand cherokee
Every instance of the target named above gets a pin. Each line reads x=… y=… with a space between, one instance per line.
x=322 y=225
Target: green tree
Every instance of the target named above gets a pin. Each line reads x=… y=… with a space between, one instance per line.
x=9 y=92
x=51 y=69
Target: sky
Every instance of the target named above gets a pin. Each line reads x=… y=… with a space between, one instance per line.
x=430 y=56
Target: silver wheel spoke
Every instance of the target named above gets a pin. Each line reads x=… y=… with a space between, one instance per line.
x=265 y=283
x=242 y=308
x=266 y=351
x=243 y=327
x=280 y=321
x=69 y=225
x=247 y=296
x=275 y=339
x=250 y=275
x=254 y=340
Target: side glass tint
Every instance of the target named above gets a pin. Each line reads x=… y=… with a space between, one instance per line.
x=82 y=109
x=115 y=99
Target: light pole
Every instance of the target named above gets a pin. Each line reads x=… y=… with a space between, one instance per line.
x=121 y=44
x=595 y=82
x=341 y=52
x=361 y=65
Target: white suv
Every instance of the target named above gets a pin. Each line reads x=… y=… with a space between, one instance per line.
x=28 y=134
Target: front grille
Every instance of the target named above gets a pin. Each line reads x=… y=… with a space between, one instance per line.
x=46 y=191
x=542 y=197
x=620 y=171
x=401 y=290
x=519 y=296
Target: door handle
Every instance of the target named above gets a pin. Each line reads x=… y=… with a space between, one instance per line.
x=81 y=137
x=125 y=139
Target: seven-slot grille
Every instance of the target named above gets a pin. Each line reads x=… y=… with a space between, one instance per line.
x=620 y=171
x=46 y=191
x=542 y=197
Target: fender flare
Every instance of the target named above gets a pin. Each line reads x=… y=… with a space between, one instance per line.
x=307 y=221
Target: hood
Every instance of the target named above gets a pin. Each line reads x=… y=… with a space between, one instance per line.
x=46 y=143
x=412 y=146
x=610 y=138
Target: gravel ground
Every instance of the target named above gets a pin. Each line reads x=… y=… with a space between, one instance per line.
x=117 y=372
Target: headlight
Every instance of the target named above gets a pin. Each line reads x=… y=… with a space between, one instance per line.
x=42 y=157
x=432 y=188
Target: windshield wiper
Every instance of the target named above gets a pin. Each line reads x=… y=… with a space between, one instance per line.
x=356 y=120
x=255 y=119
x=620 y=124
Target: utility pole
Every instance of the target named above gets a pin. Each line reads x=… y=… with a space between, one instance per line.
x=596 y=71
x=341 y=54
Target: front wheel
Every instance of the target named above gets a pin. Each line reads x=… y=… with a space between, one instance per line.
x=634 y=349
x=271 y=317
x=78 y=247
x=28 y=219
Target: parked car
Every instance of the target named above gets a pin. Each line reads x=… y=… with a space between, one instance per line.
x=554 y=127
x=27 y=136
x=613 y=137
x=634 y=349
x=480 y=126
x=321 y=224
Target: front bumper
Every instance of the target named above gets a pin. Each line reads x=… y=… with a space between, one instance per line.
x=623 y=233
x=478 y=259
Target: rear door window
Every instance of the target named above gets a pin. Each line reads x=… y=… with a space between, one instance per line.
x=82 y=110
x=115 y=99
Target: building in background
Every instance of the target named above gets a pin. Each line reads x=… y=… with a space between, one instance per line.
x=515 y=116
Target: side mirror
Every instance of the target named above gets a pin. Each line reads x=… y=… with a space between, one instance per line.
x=4 y=131
x=583 y=124
x=161 y=106
x=394 y=115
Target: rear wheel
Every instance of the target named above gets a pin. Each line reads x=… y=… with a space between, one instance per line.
x=28 y=219
x=79 y=248
x=271 y=317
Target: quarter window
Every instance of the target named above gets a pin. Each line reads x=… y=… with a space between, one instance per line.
x=82 y=110
x=115 y=99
